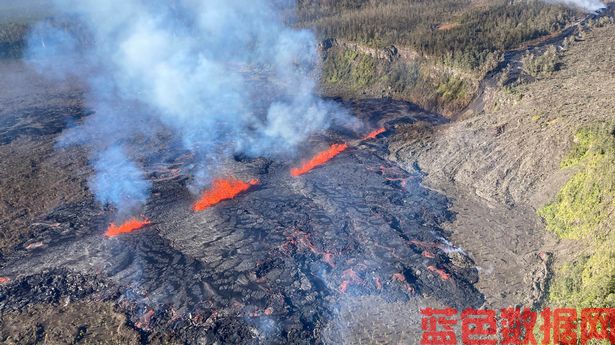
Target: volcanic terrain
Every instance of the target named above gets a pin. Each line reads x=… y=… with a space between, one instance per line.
x=342 y=243
x=274 y=261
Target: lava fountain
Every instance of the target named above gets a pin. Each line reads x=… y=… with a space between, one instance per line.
x=319 y=159
x=128 y=226
x=222 y=189
x=374 y=134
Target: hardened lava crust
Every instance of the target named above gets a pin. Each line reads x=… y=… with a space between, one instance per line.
x=275 y=264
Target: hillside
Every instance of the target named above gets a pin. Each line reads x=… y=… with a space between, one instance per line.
x=430 y=53
x=543 y=147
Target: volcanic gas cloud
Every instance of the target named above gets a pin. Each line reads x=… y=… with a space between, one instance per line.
x=222 y=189
x=128 y=226
x=181 y=67
x=319 y=159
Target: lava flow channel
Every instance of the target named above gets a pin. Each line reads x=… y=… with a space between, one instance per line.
x=222 y=189
x=374 y=134
x=128 y=226
x=319 y=159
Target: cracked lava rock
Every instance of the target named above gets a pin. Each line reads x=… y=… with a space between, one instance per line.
x=270 y=266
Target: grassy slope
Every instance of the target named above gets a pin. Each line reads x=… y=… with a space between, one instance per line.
x=584 y=210
x=349 y=72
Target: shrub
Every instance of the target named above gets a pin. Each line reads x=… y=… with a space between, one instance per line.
x=585 y=210
x=541 y=65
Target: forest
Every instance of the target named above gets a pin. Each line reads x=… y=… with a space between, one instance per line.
x=463 y=32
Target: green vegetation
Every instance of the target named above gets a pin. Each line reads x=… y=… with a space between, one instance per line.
x=445 y=46
x=584 y=210
x=452 y=89
x=352 y=72
x=588 y=198
x=588 y=281
x=462 y=33
x=541 y=65
x=363 y=72
x=350 y=68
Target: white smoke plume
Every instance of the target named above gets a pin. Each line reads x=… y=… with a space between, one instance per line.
x=190 y=67
x=587 y=5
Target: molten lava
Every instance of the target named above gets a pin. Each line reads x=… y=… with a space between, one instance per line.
x=398 y=277
x=443 y=275
x=319 y=159
x=222 y=189
x=349 y=276
x=328 y=258
x=128 y=226
x=374 y=134
x=378 y=283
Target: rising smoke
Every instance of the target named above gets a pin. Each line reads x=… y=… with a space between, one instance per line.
x=222 y=76
x=587 y=5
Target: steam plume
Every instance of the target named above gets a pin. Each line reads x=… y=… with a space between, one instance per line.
x=186 y=67
x=587 y=5
x=125 y=193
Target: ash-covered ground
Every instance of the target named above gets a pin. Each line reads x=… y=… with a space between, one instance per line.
x=281 y=263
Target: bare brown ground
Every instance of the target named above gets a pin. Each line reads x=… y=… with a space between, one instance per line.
x=34 y=176
x=77 y=322
x=503 y=163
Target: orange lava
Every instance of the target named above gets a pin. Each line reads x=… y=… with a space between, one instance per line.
x=349 y=276
x=328 y=258
x=428 y=254
x=344 y=286
x=34 y=245
x=440 y=272
x=222 y=189
x=128 y=226
x=398 y=277
x=145 y=320
x=319 y=159
x=378 y=283
x=374 y=134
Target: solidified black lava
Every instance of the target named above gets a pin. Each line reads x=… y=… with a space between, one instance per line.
x=266 y=267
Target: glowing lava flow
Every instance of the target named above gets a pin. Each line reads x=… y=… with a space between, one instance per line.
x=320 y=159
x=128 y=226
x=222 y=189
x=374 y=134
